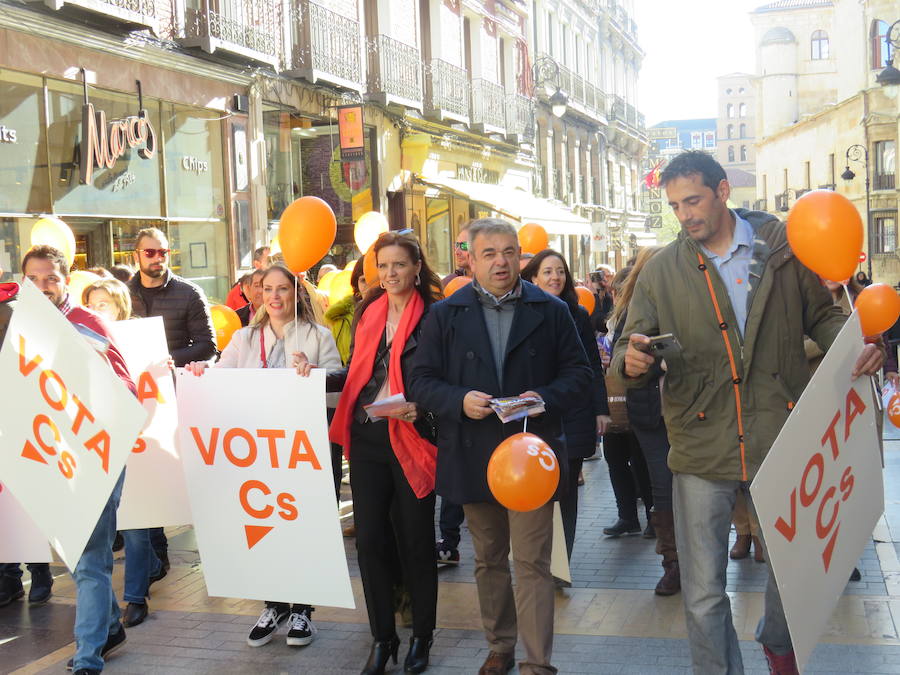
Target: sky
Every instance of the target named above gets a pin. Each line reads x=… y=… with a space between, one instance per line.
x=687 y=44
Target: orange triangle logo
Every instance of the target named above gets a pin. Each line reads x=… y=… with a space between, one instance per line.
x=255 y=533
x=31 y=452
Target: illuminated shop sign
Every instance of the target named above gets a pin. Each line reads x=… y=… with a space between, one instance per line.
x=103 y=144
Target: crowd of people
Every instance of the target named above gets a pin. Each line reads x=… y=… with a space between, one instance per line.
x=675 y=431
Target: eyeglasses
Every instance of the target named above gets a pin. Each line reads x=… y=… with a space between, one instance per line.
x=155 y=252
x=462 y=245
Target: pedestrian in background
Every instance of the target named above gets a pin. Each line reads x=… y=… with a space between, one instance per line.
x=392 y=461
x=587 y=420
x=501 y=336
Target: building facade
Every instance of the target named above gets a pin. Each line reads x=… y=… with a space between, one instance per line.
x=736 y=135
x=245 y=97
x=821 y=110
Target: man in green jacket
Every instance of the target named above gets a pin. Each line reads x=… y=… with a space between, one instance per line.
x=739 y=302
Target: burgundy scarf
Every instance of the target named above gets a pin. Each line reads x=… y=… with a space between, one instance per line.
x=417 y=457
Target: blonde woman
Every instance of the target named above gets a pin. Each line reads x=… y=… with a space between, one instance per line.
x=268 y=342
x=109 y=298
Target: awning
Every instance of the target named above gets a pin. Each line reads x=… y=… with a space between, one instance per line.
x=516 y=204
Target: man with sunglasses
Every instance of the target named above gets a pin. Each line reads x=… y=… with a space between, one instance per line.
x=156 y=291
x=461 y=255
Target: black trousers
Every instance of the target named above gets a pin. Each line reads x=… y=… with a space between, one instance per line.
x=627 y=470
x=382 y=497
x=568 y=504
x=655 y=449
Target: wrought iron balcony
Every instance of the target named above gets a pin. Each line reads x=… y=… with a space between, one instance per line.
x=249 y=29
x=131 y=13
x=883 y=181
x=584 y=97
x=488 y=107
x=446 y=91
x=395 y=72
x=557 y=191
x=537 y=183
x=519 y=118
x=324 y=46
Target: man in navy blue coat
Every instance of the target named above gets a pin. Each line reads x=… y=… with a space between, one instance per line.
x=500 y=336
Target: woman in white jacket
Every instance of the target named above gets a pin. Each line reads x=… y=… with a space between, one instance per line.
x=273 y=334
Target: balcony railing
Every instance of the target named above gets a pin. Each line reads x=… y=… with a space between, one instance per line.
x=584 y=97
x=132 y=12
x=246 y=28
x=446 y=91
x=395 y=72
x=488 y=106
x=519 y=117
x=557 y=191
x=883 y=181
x=537 y=183
x=324 y=46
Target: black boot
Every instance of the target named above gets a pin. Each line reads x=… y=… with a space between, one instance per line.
x=417 y=657
x=41 y=584
x=664 y=523
x=622 y=526
x=378 y=657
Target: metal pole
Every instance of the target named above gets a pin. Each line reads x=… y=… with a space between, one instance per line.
x=868 y=220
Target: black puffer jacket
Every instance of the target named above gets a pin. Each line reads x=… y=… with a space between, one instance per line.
x=185 y=313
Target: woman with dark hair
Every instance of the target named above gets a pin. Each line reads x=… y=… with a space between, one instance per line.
x=392 y=465
x=549 y=272
x=268 y=342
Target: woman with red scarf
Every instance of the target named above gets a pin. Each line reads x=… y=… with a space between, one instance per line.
x=392 y=464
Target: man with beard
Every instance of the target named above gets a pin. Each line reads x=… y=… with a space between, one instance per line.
x=156 y=291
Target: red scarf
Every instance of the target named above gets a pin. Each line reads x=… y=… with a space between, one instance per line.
x=417 y=457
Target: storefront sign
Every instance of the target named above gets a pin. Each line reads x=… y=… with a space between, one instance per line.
x=7 y=135
x=350 y=128
x=820 y=491
x=103 y=145
x=658 y=133
x=477 y=174
x=258 y=473
x=194 y=165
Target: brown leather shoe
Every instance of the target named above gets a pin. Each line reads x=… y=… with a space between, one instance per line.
x=497 y=664
x=759 y=554
x=670 y=584
x=741 y=548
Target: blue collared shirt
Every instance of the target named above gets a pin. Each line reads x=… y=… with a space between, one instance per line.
x=734 y=268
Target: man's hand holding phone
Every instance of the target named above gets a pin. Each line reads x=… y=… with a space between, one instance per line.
x=638 y=360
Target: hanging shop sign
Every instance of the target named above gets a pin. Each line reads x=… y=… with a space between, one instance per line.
x=350 y=129
x=103 y=144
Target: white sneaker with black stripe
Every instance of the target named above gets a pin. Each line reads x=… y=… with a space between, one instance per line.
x=268 y=623
x=301 y=631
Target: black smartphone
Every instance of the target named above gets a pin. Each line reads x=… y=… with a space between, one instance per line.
x=665 y=346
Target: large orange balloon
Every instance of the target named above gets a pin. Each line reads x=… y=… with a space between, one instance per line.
x=226 y=322
x=879 y=307
x=306 y=233
x=370 y=267
x=825 y=232
x=455 y=284
x=533 y=238
x=523 y=472
x=586 y=299
x=893 y=410
x=54 y=232
x=78 y=281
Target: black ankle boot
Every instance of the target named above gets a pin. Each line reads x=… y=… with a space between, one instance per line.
x=417 y=657
x=378 y=657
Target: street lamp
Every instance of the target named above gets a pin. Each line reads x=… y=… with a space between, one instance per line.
x=544 y=71
x=860 y=153
x=890 y=75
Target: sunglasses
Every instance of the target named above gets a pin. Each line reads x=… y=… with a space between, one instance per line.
x=155 y=252
x=462 y=245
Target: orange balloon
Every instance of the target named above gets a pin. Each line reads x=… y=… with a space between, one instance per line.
x=306 y=232
x=226 y=322
x=893 y=410
x=533 y=238
x=586 y=299
x=825 y=232
x=455 y=284
x=879 y=307
x=523 y=472
x=370 y=267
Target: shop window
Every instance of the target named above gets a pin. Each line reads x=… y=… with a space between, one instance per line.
x=194 y=172
x=819 y=45
x=200 y=254
x=131 y=187
x=23 y=139
x=885 y=165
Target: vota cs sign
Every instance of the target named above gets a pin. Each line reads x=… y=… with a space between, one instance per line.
x=103 y=144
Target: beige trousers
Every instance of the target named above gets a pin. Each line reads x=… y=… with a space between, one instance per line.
x=529 y=611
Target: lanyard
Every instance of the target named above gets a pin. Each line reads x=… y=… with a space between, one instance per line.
x=262 y=348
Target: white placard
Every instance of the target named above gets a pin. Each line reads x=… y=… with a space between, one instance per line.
x=20 y=538
x=155 y=494
x=68 y=423
x=819 y=491
x=258 y=464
